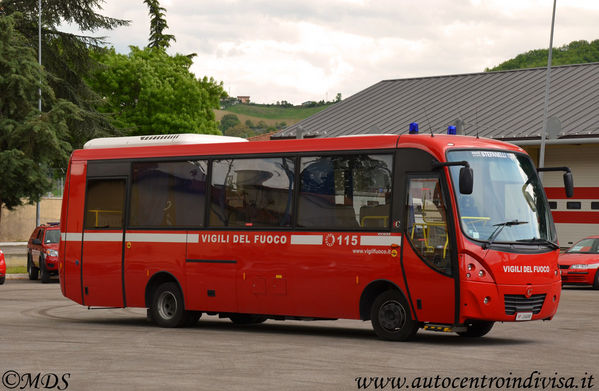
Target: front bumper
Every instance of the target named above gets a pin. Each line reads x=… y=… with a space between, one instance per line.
x=51 y=263
x=508 y=303
x=586 y=277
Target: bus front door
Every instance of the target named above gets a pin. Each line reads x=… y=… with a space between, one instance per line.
x=427 y=252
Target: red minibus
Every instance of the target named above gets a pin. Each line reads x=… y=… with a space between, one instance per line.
x=440 y=232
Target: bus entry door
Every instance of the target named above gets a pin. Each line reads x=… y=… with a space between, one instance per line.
x=427 y=254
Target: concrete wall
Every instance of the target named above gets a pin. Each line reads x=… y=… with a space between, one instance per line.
x=17 y=225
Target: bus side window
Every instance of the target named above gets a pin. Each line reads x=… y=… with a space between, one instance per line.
x=252 y=192
x=168 y=194
x=345 y=191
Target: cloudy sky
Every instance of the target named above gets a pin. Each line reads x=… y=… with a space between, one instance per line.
x=313 y=49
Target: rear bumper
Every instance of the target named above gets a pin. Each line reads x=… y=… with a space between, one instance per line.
x=504 y=303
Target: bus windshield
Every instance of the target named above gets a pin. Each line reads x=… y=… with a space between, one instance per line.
x=507 y=204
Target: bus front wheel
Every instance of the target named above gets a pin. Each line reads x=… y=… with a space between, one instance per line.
x=476 y=329
x=391 y=318
x=167 y=308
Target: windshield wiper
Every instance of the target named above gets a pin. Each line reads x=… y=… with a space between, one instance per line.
x=498 y=230
x=549 y=243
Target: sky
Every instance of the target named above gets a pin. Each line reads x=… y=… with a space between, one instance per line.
x=313 y=49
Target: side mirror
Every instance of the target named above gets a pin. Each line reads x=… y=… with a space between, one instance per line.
x=569 y=184
x=467 y=180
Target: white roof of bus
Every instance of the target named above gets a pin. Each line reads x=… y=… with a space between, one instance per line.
x=160 y=139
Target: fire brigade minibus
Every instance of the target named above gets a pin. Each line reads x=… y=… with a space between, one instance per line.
x=439 y=232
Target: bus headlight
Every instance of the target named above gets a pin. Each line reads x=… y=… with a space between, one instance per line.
x=51 y=253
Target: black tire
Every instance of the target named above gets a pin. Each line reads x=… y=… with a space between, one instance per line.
x=44 y=273
x=476 y=329
x=391 y=317
x=247 y=318
x=168 y=309
x=2 y=279
x=596 y=283
x=32 y=271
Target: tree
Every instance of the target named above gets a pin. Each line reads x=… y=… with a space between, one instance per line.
x=228 y=121
x=150 y=92
x=66 y=58
x=338 y=97
x=157 y=25
x=576 y=52
x=30 y=141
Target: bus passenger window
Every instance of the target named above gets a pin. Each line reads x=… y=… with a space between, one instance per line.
x=252 y=192
x=427 y=223
x=345 y=192
x=168 y=194
x=104 y=204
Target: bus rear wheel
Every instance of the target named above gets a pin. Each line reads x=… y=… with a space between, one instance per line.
x=168 y=309
x=476 y=329
x=391 y=318
x=596 y=283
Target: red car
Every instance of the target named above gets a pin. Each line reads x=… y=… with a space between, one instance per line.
x=2 y=268
x=42 y=252
x=580 y=264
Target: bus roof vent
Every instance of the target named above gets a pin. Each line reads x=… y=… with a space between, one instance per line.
x=160 y=139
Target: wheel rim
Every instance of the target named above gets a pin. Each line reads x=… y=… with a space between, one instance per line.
x=392 y=316
x=167 y=305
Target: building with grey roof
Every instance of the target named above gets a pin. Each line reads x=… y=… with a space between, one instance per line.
x=506 y=105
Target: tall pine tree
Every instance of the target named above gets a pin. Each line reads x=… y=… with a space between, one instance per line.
x=30 y=141
x=66 y=57
x=158 y=39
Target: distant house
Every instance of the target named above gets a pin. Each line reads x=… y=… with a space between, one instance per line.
x=506 y=106
x=243 y=99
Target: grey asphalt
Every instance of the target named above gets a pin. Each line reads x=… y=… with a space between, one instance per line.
x=41 y=332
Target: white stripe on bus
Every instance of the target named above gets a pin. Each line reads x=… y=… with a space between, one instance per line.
x=102 y=237
x=130 y=237
x=307 y=239
x=380 y=240
x=162 y=238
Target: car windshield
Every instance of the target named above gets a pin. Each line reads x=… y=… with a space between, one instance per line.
x=507 y=203
x=585 y=246
x=52 y=236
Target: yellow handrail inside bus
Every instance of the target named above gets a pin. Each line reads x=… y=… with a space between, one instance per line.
x=98 y=211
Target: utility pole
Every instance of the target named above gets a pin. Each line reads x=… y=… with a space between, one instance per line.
x=39 y=91
x=547 y=85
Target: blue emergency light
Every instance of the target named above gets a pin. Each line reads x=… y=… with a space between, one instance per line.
x=413 y=128
x=452 y=130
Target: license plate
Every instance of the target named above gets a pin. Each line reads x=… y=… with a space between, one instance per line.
x=524 y=316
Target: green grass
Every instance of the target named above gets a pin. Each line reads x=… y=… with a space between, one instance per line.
x=16 y=269
x=276 y=112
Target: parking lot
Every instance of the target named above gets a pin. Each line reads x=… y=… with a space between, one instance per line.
x=41 y=332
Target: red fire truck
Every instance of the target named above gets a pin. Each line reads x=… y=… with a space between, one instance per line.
x=440 y=232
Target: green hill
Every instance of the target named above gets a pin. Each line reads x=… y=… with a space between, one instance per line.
x=249 y=120
x=576 y=52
